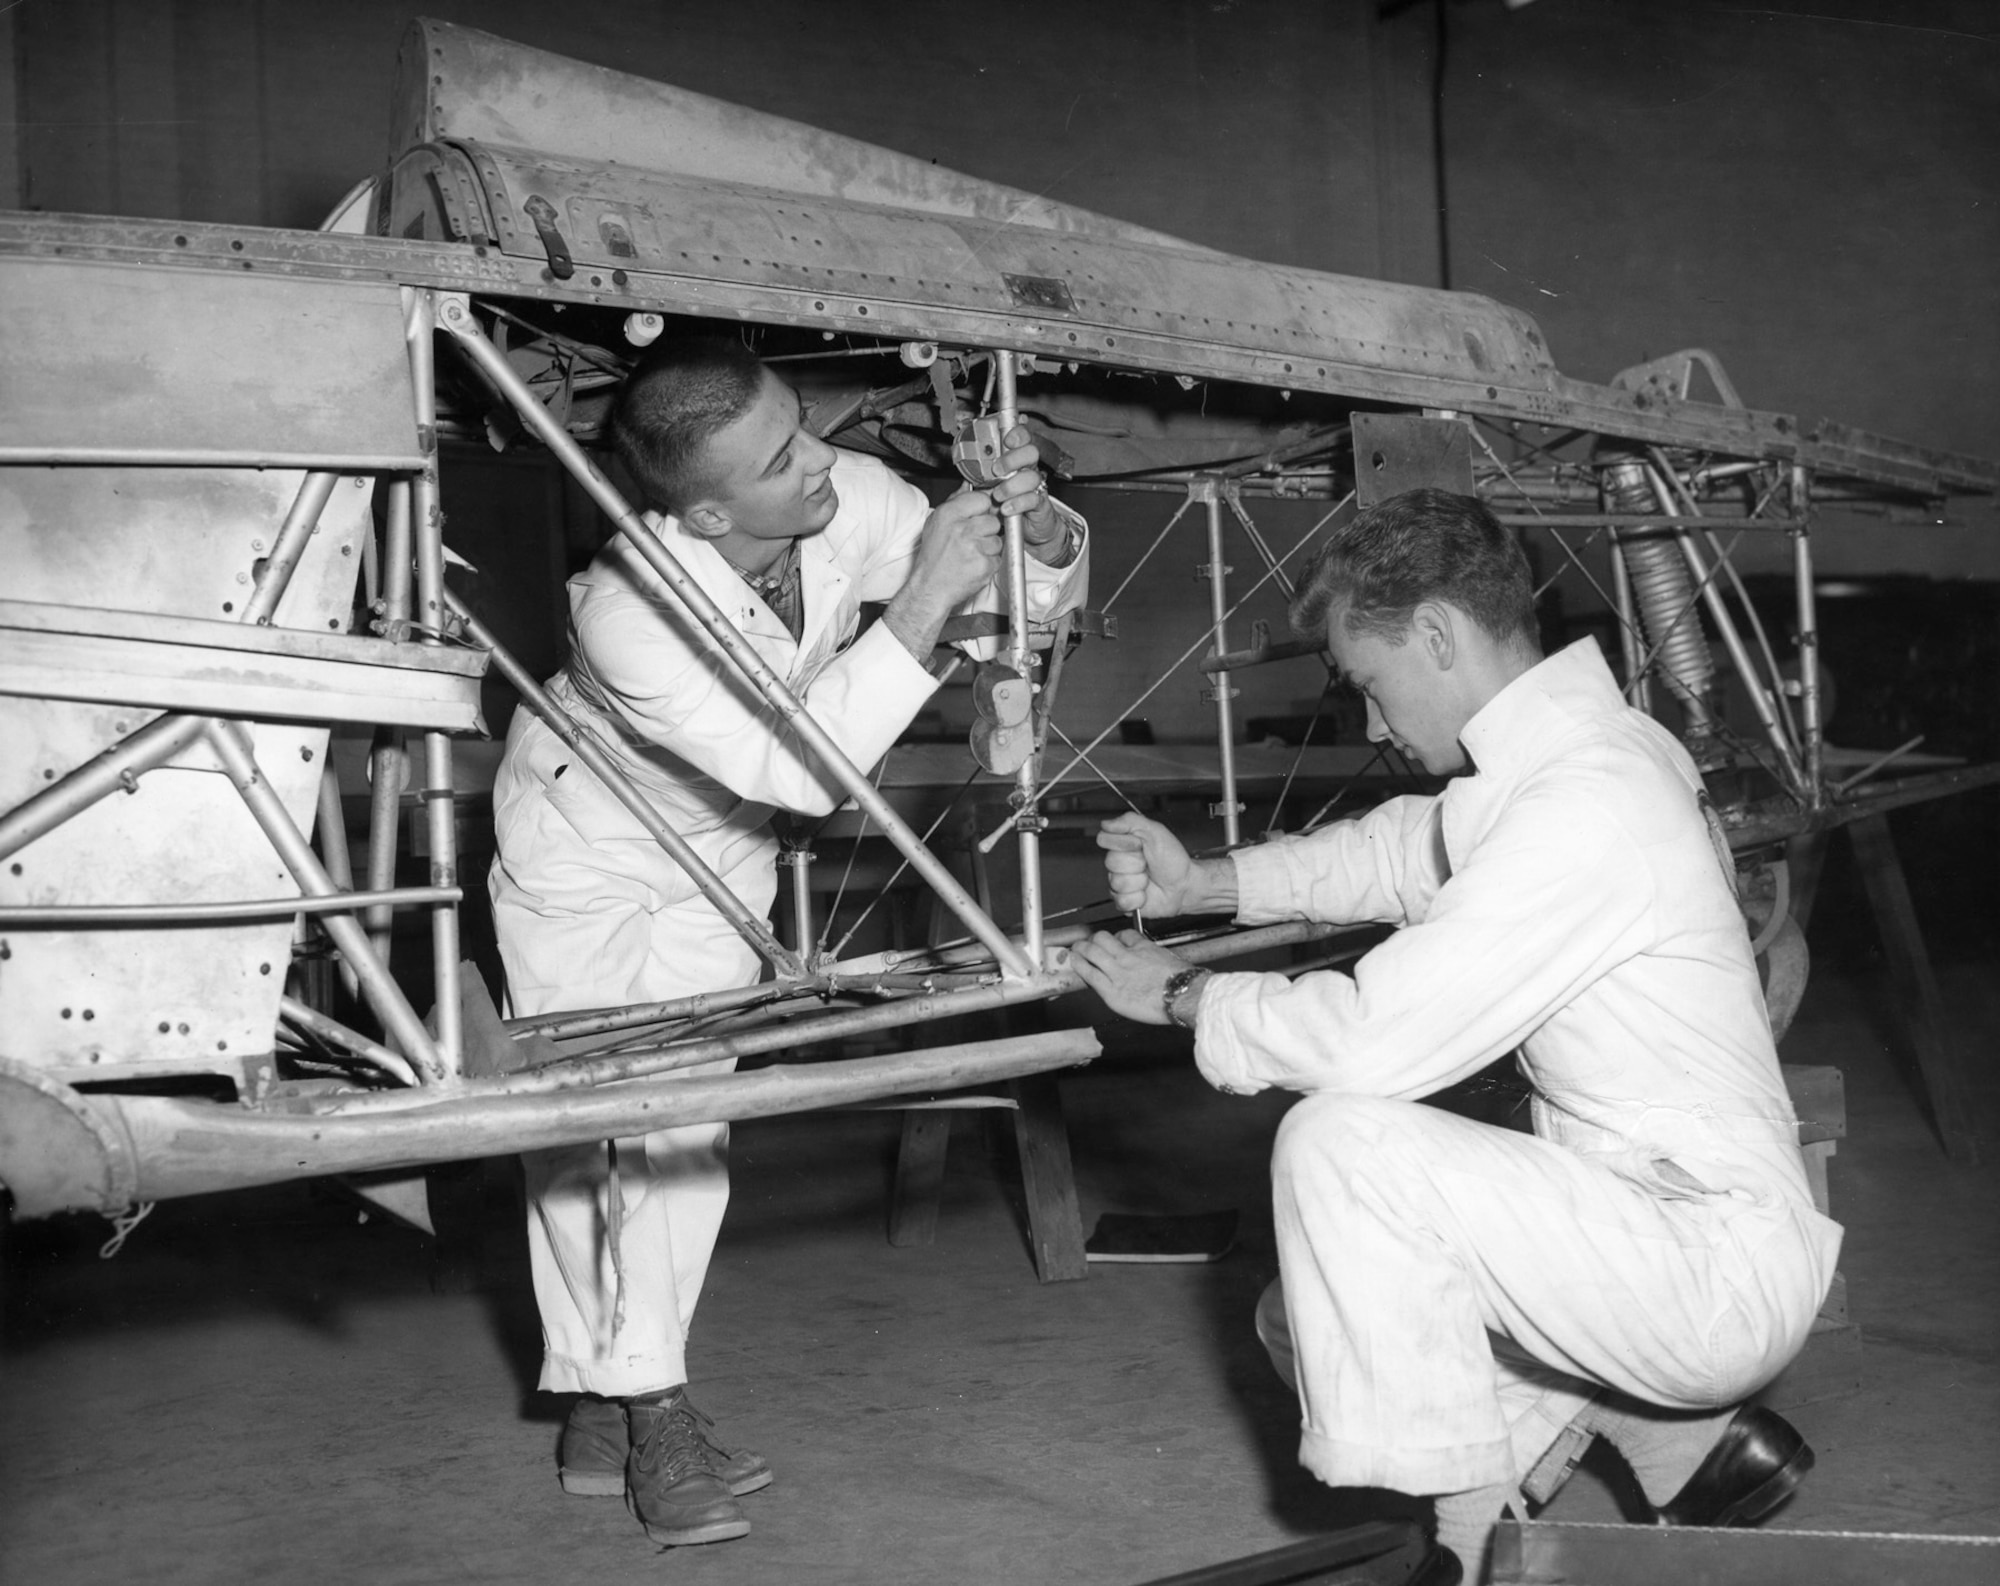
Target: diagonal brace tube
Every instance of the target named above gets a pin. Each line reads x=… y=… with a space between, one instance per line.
x=585 y=747
x=455 y=315
x=231 y=742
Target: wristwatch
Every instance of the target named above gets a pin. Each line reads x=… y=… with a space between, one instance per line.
x=1177 y=984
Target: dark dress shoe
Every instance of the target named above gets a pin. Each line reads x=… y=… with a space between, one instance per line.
x=1756 y=1464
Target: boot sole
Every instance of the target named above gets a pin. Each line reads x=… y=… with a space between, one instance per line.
x=611 y=1484
x=696 y=1535
x=690 y=1535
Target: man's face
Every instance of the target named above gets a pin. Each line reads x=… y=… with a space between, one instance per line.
x=1410 y=701
x=771 y=477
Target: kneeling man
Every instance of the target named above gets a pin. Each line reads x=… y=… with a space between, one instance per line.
x=1463 y=1306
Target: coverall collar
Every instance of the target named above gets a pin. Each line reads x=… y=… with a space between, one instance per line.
x=1514 y=728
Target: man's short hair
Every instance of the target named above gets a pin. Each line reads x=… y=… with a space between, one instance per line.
x=1421 y=545
x=672 y=405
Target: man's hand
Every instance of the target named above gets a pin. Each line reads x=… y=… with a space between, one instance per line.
x=957 y=555
x=1023 y=490
x=1129 y=972
x=1150 y=871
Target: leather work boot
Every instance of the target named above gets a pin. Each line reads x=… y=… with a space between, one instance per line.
x=593 y=1449
x=595 y=1441
x=669 y=1485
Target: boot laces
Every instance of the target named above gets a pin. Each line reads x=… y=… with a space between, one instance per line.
x=667 y=1440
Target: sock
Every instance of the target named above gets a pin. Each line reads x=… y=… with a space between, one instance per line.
x=1663 y=1447
x=1466 y=1522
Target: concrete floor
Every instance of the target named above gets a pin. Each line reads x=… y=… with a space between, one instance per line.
x=261 y=1388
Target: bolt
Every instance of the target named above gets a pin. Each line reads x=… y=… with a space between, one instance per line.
x=89 y=1013
x=183 y=1029
x=262 y=969
x=166 y=1028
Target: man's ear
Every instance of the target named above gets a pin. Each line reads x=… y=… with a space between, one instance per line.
x=1432 y=626
x=706 y=520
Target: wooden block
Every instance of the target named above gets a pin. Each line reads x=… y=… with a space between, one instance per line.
x=1055 y=1223
x=913 y=1208
x=1819 y=1097
x=1816 y=1155
x=1938 y=1061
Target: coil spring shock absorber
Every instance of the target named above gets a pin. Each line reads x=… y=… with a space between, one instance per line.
x=1663 y=590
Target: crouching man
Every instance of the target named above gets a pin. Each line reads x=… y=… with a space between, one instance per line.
x=1463 y=1306
x=789 y=536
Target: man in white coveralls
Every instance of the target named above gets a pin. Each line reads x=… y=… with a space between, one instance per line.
x=789 y=536
x=1463 y=1306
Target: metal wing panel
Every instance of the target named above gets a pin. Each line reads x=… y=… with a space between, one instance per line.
x=1083 y=294
x=101 y=361
x=459 y=84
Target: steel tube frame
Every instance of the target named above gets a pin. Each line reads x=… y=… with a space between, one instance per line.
x=799 y=862
x=117 y=767
x=1638 y=684
x=231 y=742
x=641 y=1062
x=586 y=748
x=112 y=456
x=294 y=534
x=166 y=736
x=334 y=1033
x=388 y=761
x=440 y=793
x=73 y=915
x=455 y=314
x=334 y=853
x=178 y=1147
x=1718 y=611
x=1021 y=656
x=1209 y=491
x=697 y=1005
x=1812 y=727
x=1739 y=657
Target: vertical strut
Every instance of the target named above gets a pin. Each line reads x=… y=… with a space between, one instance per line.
x=1209 y=489
x=440 y=799
x=1811 y=728
x=388 y=761
x=1021 y=656
x=1638 y=686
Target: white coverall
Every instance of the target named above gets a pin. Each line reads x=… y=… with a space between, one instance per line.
x=1655 y=1235
x=591 y=912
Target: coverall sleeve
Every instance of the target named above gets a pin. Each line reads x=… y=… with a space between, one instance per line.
x=1551 y=898
x=669 y=686
x=896 y=511
x=696 y=705
x=1383 y=868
